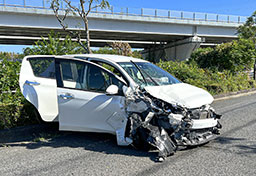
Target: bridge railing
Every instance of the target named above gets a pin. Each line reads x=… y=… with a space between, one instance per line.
x=143 y=12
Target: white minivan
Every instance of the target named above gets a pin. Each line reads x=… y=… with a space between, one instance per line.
x=140 y=103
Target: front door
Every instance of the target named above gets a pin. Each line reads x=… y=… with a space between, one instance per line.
x=82 y=99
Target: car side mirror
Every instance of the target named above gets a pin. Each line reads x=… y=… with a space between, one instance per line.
x=112 y=90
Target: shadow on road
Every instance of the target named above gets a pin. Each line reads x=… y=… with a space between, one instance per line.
x=243 y=146
x=249 y=149
x=50 y=136
x=228 y=140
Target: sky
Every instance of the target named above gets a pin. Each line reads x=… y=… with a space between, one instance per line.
x=229 y=7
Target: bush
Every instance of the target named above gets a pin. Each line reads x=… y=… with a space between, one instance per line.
x=212 y=81
x=14 y=109
x=10 y=97
x=235 y=56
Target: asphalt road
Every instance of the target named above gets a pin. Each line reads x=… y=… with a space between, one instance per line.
x=67 y=153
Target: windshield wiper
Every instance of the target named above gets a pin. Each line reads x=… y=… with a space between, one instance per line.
x=142 y=71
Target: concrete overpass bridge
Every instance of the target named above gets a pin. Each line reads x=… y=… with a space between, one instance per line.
x=163 y=33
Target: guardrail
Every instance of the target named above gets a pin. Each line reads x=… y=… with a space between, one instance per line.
x=143 y=12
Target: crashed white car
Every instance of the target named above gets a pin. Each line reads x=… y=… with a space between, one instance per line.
x=140 y=103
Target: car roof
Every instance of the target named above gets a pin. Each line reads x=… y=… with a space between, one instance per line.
x=109 y=57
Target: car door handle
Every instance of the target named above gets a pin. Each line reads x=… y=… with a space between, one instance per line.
x=66 y=96
x=32 y=83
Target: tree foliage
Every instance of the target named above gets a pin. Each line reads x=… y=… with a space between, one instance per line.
x=248 y=30
x=10 y=56
x=54 y=45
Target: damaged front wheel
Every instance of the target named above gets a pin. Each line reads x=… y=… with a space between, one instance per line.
x=147 y=136
x=135 y=131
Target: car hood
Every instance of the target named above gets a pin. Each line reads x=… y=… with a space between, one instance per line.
x=182 y=94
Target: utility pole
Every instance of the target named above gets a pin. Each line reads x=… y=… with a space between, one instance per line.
x=254 y=66
x=254 y=70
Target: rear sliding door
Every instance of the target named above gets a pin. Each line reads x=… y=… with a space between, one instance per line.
x=38 y=85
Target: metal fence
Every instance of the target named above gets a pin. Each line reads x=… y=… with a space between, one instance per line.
x=143 y=12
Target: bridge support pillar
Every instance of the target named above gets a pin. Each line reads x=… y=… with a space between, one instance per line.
x=179 y=50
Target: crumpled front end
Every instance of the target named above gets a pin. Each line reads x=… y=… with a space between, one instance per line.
x=154 y=123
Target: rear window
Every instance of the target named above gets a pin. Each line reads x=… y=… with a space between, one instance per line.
x=43 y=67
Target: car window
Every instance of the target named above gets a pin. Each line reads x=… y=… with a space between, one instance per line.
x=73 y=74
x=96 y=79
x=85 y=76
x=134 y=73
x=100 y=80
x=66 y=70
x=43 y=67
x=113 y=70
x=148 y=74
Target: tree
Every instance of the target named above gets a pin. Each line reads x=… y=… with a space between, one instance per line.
x=122 y=48
x=248 y=29
x=119 y=48
x=85 y=7
x=54 y=45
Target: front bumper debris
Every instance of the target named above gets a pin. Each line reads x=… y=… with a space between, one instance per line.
x=155 y=124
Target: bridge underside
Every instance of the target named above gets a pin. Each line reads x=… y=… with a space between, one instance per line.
x=27 y=36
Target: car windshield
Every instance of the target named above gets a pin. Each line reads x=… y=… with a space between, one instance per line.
x=148 y=74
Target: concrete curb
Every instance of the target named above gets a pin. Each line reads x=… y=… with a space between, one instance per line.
x=234 y=94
